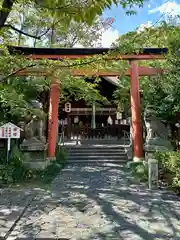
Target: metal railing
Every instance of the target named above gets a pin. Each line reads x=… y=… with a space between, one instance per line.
x=61 y=138
x=127 y=135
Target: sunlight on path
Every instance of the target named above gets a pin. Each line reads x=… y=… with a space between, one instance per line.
x=100 y=202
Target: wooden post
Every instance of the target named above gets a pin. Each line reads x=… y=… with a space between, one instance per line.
x=53 y=118
x=68 y=126
x=153 y=171
x=136 y=113
x=93 y=121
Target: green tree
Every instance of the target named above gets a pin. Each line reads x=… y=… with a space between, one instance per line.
x=161 y=91
x=52 y=21
x=64 y=10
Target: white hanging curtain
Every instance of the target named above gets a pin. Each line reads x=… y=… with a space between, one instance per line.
x=76 y=119
x=109 y=120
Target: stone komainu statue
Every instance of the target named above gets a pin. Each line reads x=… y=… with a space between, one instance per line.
x=155 y=127
x=34 y=129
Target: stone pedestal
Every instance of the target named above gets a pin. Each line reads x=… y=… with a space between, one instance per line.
x=156 y=144
x=35 y=152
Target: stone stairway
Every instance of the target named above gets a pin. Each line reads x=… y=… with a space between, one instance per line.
x=97 y=154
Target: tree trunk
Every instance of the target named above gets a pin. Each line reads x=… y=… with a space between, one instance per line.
x=6 y=9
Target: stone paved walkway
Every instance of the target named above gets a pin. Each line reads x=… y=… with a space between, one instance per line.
x=96 y=202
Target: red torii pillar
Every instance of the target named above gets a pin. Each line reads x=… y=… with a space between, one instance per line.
x=53 y=118
x=136 y=113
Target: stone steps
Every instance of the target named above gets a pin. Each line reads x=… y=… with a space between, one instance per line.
x=105 y=141
x=72 y=156
x=95 y=154
x=87 y=161
x=87 y=142
x=99 y=154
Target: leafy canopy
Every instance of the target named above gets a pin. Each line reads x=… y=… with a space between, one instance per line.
x=161 y=91
x=58 y=23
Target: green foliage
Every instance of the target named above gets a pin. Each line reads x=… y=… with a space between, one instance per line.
x=165 y=88
x=139 y=170
x=51 y=171
x=161 y=91
x=78 y=88
x=16 y=95
x=86 y=10
x=61 y=155
x=170 y=165
x=76 y=33
x=122 y=94
x=50 y=23
x=152 y=37
x=36 y=18
x=14 y=171
x=16 y=92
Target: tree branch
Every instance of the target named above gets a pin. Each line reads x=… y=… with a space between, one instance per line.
x=20 y=31
x=47 y=30
x=60 y=7
x=33 y=65
x=16 y=72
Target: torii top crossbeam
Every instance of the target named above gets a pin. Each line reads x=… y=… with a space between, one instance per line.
x=75 y=53
x=83 y=53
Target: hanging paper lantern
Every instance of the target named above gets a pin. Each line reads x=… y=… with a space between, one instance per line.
x=68 y=107
x=118 y=115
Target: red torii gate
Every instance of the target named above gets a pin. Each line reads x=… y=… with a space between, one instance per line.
x=81 y=53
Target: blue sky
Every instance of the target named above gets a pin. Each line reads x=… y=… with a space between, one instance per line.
x=152 y=11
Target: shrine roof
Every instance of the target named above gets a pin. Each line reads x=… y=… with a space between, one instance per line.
x=77 y=51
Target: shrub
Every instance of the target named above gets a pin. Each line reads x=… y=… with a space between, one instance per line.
x=3 y=156
x=49 y=173
x=169 y=163
x=139 y=170
x=61 y=155
x=52 y=170
x=15 y=171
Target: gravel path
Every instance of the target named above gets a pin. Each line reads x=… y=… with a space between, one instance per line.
x=100 y=202
x=13 y=203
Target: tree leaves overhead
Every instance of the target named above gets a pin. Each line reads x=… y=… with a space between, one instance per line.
x=50 y=23
x=34 y=19
x=85 y=10
x=161 y=91
x=78 y=10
